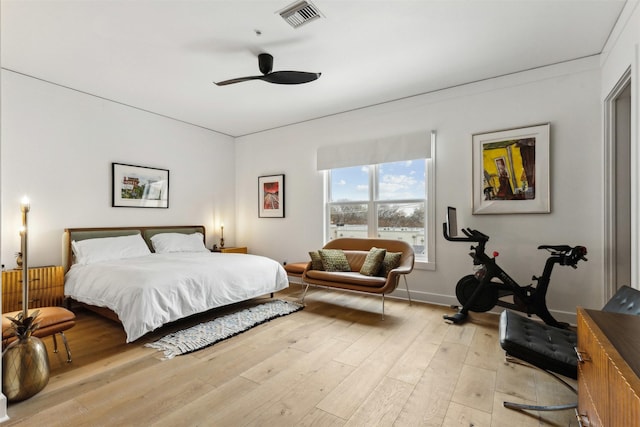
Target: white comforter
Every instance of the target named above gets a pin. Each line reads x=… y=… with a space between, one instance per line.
x=147 y=292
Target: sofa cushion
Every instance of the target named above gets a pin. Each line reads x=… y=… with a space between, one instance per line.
x=316 y=261
x=356 y=259
x=345 y=279
x=391 y=260
x=334 y=260
x=373 y=261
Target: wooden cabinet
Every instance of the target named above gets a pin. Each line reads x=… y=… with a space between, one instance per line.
x=608 y=369
x=46 y=288
x=238 y=250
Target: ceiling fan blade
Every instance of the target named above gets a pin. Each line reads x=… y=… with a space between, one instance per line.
x=265 y=63
x=290 y=77
x=238 y=80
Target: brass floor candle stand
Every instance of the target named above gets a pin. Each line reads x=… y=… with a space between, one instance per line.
x=25 y=362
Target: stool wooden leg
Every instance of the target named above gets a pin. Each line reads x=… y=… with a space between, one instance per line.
x=66 y=346
x=523 y=406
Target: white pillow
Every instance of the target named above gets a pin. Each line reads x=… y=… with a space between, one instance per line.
x=178 y=242
x=90 y=251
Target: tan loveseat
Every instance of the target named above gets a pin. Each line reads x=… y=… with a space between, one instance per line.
x=356 y=251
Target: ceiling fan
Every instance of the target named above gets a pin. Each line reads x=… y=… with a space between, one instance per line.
x=265 y=62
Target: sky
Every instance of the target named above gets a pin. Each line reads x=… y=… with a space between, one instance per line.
x=397 y=180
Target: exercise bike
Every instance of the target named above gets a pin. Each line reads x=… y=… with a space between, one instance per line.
x=483 y=290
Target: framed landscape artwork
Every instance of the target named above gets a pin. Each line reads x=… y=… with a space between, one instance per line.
x=511 y=171
x=139 y=186
x=271 y=196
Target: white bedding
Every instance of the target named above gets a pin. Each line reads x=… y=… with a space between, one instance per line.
x=147 y=292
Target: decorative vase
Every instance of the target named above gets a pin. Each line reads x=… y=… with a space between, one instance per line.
x=25 y=368
x=19 y=259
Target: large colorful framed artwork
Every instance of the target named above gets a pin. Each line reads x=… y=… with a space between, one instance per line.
x=511 y=171
x=139 y=186
x=271 y=196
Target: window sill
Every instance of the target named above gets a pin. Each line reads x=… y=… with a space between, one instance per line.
x=424 y=265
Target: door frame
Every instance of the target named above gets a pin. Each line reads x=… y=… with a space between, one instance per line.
x=609 y=157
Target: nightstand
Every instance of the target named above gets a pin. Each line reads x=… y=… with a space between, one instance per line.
x=238 y=250
x=46 y=288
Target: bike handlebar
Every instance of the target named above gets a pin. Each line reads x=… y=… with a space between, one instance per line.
x=567 y=255
x=472 y=235
x=575 y=254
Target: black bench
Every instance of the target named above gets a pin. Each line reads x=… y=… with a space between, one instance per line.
x=553 y=349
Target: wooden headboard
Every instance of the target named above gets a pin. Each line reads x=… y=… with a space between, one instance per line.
x=71 y=234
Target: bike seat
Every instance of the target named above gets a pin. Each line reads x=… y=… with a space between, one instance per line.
x=559 y=248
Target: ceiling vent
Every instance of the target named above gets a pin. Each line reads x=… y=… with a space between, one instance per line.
x=300 y=13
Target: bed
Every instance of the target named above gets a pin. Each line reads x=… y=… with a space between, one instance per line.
x=145 y=277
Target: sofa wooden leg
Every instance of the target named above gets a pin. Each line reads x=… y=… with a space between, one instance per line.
x=406 y=285
x=382 y=307
x=304 y=293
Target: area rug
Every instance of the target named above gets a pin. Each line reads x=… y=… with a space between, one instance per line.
x=208 y=333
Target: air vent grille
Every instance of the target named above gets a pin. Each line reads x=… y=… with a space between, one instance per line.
x=300 y=13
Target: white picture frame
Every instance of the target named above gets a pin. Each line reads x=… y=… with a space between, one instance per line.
x=271 y=196
x=139 y=186
x=511 y=171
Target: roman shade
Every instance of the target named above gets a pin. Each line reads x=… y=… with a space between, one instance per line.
x=383 y=150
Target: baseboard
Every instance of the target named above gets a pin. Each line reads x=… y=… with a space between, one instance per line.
x=3 y=408
x=451 y=301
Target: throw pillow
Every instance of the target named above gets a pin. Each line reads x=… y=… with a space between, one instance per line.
x=99 y=249
x=316 y=261
x=178 y=242
x=391 y=260
x=334 y=260
x=373 y=261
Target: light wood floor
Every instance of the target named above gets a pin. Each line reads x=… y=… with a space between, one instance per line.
x=335 y=363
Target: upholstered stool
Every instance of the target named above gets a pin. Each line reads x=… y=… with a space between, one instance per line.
x=53 y=320
x=294 y=271
x=541 y=345
x=553 y=349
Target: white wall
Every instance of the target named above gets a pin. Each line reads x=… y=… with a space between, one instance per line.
x=58 y=146
x=68 y=141
x=566 y=95
x=621 y=53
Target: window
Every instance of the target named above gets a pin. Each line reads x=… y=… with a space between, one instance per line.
x=382 y=188
x=387 y=201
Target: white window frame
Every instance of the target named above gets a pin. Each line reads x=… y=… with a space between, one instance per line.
x=428 y=261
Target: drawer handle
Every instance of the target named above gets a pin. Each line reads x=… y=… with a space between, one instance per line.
x=31 y=301
x=583 y=419
x=582 y=355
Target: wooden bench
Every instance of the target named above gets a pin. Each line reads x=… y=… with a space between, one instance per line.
x=53 y=320
x=356 y=251
x=294 y=271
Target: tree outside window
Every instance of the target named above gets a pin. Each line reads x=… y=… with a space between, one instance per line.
x=385 y=201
